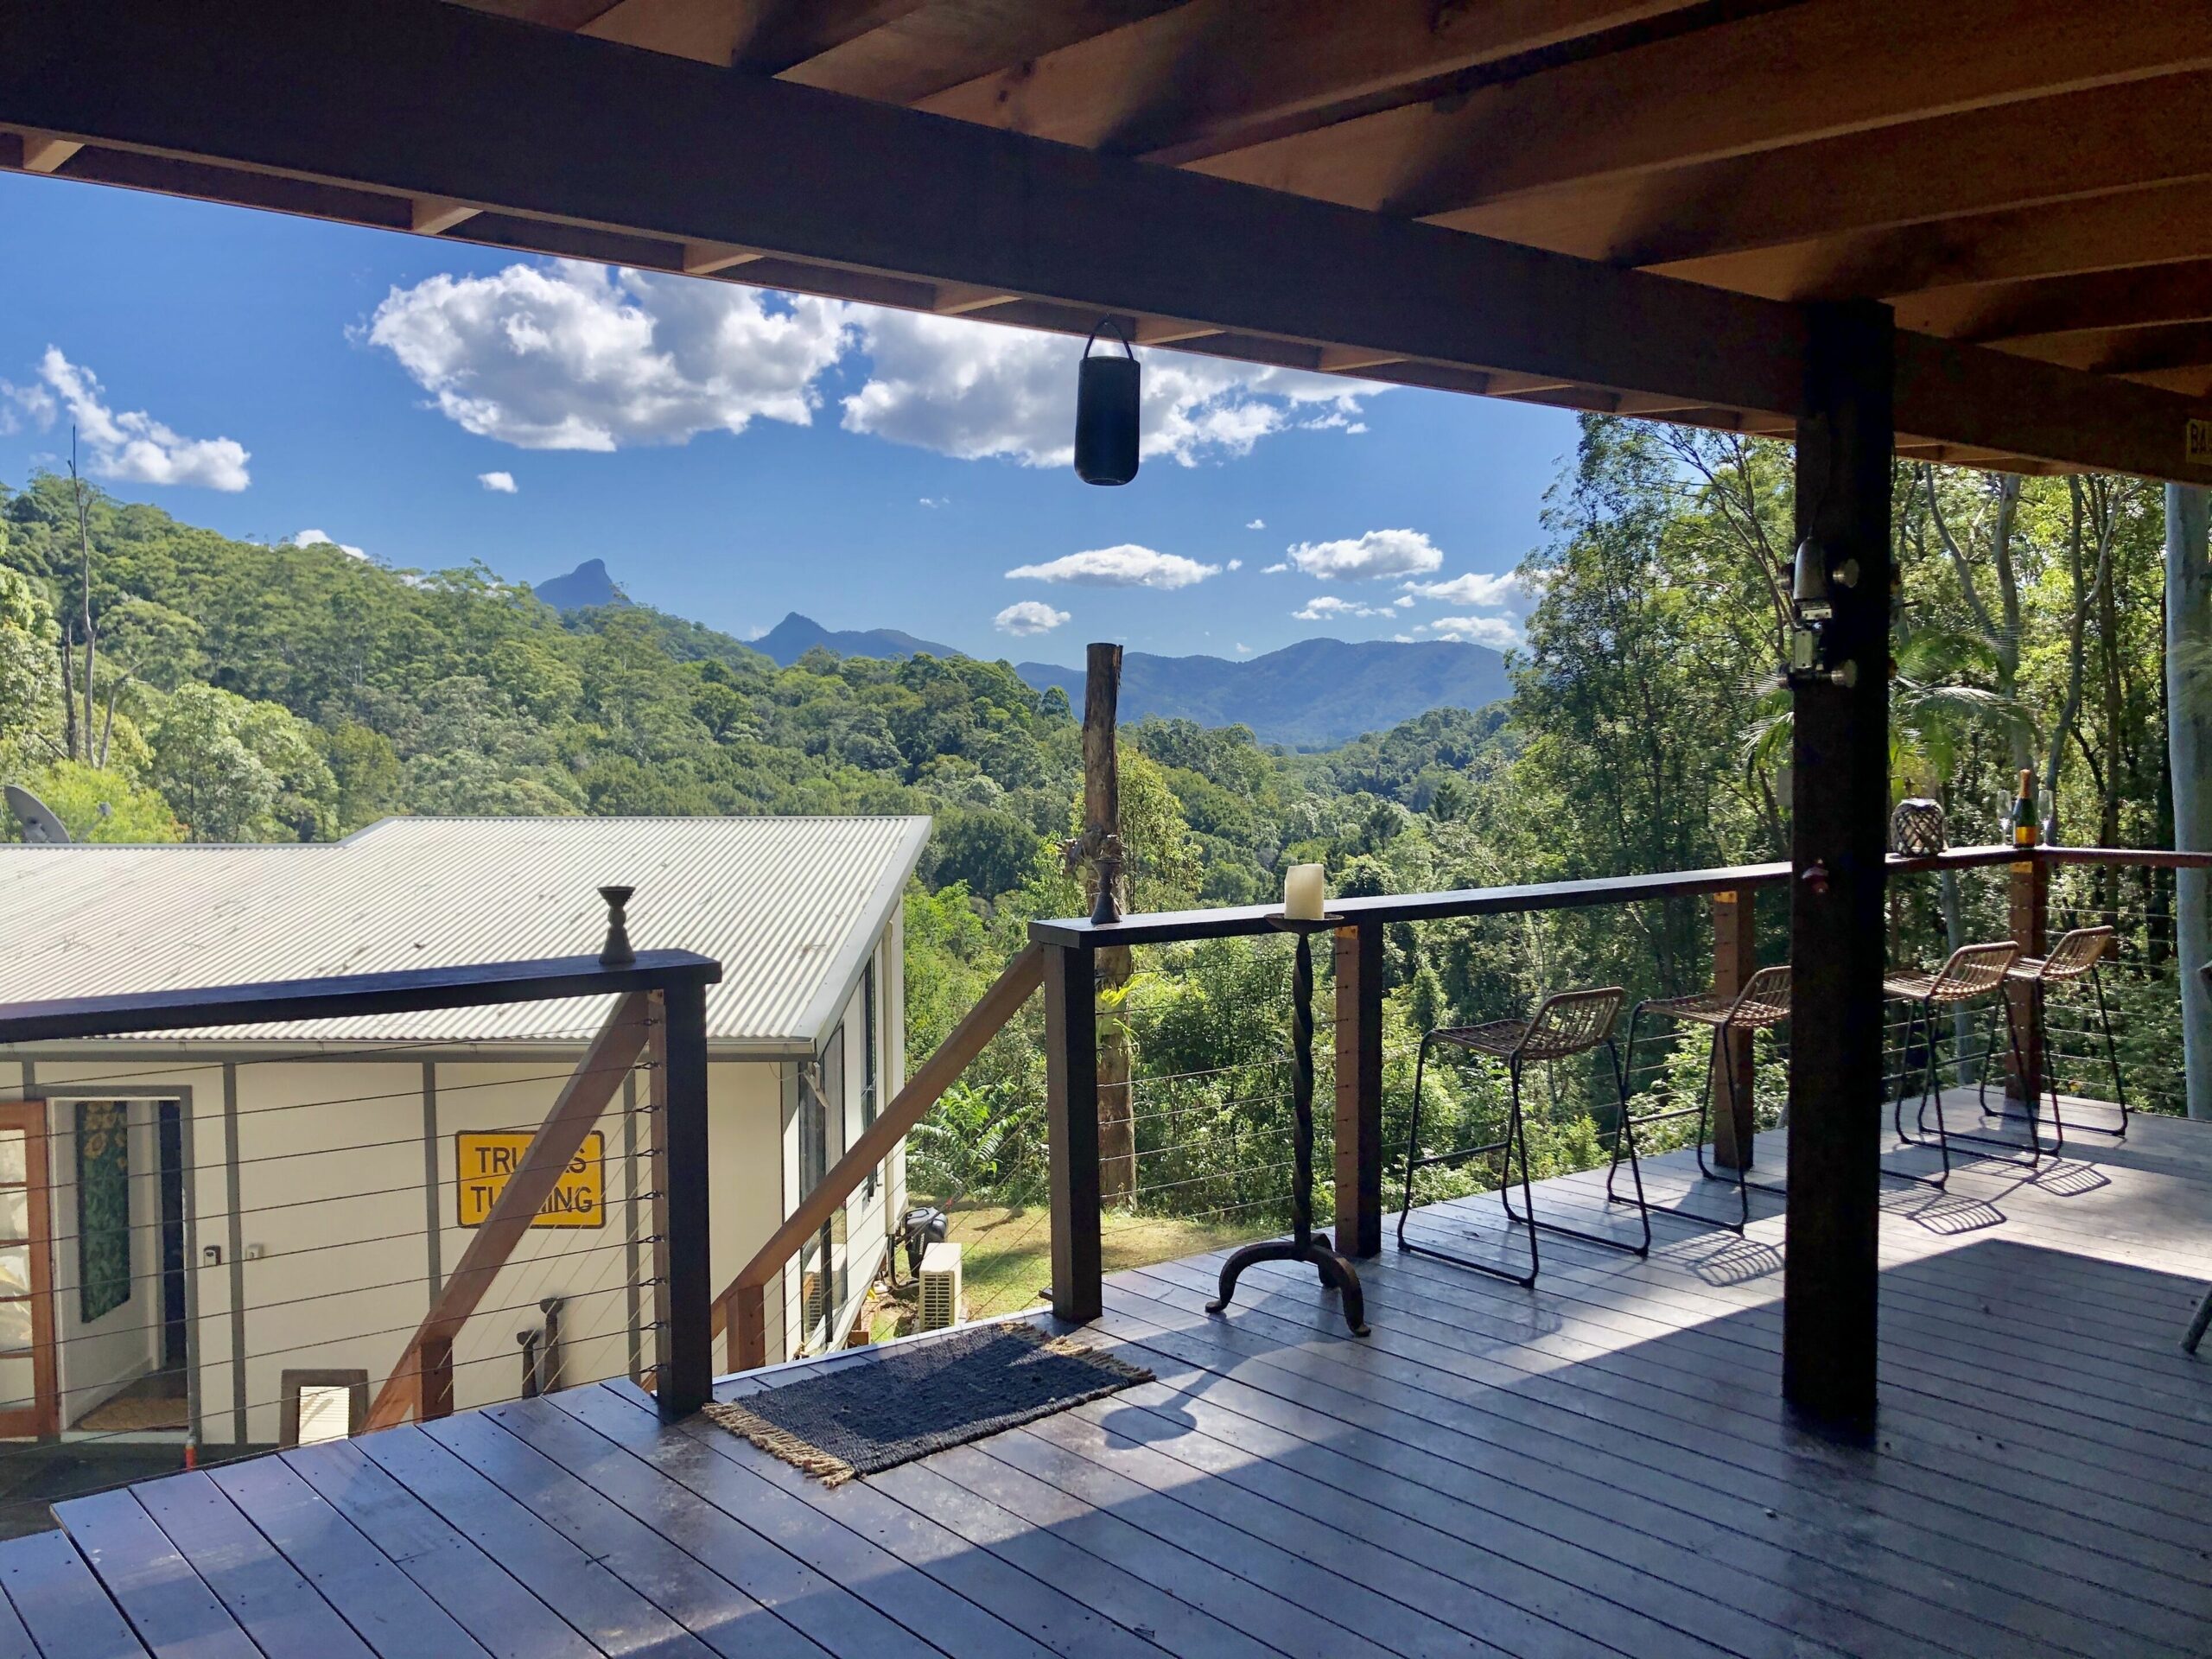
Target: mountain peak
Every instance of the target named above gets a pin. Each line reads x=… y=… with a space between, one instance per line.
x=795 y=635
x=583 y=587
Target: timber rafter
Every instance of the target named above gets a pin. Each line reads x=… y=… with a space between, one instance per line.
x=2001 y=171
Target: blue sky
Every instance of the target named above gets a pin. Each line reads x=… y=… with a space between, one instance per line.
x=270 y=376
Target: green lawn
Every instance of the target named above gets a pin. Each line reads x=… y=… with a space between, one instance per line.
x=1007 y=1258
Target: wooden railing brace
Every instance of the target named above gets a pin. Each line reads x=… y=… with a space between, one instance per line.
x=741 y=1310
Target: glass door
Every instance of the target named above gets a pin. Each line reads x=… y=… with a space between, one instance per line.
x=26 y=1386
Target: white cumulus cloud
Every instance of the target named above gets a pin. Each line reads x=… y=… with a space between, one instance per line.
x=971 y=389
x=1361 y=558
x=1028 y=617
x=566 y=355
x=1275 y=569
x=1256 y=524
x=1234 y=564
x=499 y=483
x=1328 y=607
x=130 y=446
x=316 y=538
x=1491 y=592
x=1496 y=632
x=1125 y=566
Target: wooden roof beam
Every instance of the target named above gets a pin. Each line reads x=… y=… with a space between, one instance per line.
x=1973 y=161
x=2134 y=297
x=435 y=215
x=2126 y=351
x=924 y=48
x=1788 y=76
x=2169 y=223
x=385 y=96
x=704 y=258
x=965 y=299
x=44 y=153
x=1210 y=75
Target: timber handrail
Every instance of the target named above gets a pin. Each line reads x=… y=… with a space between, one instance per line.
x=740 y=1309
x=1170 y=927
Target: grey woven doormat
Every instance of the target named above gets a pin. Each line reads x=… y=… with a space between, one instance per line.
x=858 y=1419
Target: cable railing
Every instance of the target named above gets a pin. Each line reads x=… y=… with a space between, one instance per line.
x=1196 y=1155
x=239 y=1245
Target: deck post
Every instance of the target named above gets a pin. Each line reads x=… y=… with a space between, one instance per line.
x=1071 y=1117
x=684 y=1370
x=1840 y=796
x=1359 y=1089
x=2030 y=916
x=1735 y=959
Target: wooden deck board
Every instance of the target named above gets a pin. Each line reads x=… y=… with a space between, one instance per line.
x=272 y=1600
x=1598 y=1468
x=168 y=1603
x=58 y=1603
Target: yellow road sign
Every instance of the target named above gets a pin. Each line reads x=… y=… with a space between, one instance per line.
x=483 y=1160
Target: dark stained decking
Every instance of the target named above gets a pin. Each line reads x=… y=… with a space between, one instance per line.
x=1600 y=1467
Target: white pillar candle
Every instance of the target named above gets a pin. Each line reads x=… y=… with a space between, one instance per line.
x=1303 y=893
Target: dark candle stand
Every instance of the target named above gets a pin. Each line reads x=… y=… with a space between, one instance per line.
x=1304 y=1245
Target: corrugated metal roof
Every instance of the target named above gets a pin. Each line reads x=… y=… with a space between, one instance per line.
x=790 y=907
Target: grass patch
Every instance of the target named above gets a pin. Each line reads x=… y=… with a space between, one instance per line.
x=1006 y=1255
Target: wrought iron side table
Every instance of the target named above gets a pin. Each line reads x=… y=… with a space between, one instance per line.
x=1304 y=1245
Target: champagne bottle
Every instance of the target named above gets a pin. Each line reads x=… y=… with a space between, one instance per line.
x=2024 y=811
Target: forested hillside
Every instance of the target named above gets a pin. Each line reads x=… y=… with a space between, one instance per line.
x=224 y=688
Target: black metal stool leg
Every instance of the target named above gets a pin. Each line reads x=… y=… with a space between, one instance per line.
x=1561 y=1228
x=1931 y=1086
x=1624 y=1130
x=1413 y=1160
x=2030 y=1155
x=2111 y=1052
x=1413 y=1141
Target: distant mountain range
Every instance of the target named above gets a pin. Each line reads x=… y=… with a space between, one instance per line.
x=1315 y=694
x=586 y=585
x=795 y=635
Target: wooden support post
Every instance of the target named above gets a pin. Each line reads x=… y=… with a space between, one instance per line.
x=683 y=1368
x=1359 y=1089
x=1735 y=959
x=1839 y=791
x=747 y=1333
x=2029 y=908
x=1071 y=1116
x=1107 y=890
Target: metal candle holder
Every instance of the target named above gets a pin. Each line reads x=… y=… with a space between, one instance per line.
x=617 y=953
x=1304 y=1245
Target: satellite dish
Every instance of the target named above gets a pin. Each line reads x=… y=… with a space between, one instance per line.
x=40 y=825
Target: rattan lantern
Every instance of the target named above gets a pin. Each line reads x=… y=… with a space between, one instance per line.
x=1916 y=828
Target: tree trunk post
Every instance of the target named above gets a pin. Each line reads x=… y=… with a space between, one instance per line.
x=1359 y=1089
x=2188 y=745
x=1839 y=785
x=1071 y=1130
x=1735 y=959
x=2029 y=910
x=1107 y=888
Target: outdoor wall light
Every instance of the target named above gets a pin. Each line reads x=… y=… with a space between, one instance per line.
x=1108 y=390
x=1812 y=600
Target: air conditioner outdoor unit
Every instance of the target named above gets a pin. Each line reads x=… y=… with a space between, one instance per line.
x=940 y=1286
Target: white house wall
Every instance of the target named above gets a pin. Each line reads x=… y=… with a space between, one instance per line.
x=329 y=1249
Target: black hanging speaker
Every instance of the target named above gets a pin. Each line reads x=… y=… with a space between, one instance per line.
x=1107 y=392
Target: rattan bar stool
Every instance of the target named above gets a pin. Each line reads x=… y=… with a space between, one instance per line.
x=1974 y=973
x=1566 y=1023
x=2076 y=956
x=1763 y=1002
